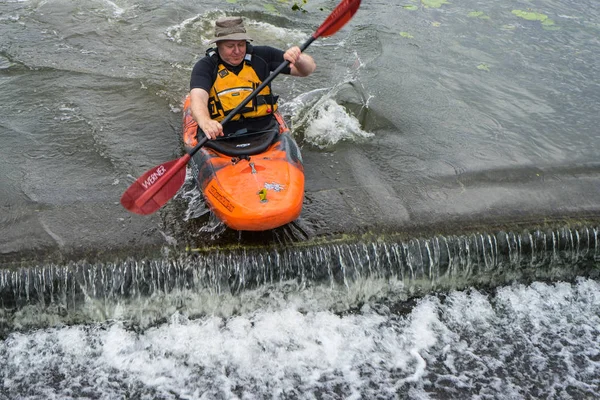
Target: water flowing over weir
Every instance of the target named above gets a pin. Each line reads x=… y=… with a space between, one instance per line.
x=408 y=267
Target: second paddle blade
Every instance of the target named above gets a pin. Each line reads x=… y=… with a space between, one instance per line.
x=137 y=201
x=338 y=18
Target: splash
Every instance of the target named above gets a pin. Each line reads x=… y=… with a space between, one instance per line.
x=264 y=32
x=189 y=192
x=328 y=116
x=332 y=123
x=189 y=29
x=201 y=27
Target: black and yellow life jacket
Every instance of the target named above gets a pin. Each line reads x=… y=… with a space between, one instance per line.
x=229 y=90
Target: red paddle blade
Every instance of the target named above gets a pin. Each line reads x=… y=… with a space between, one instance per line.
x=156 y=187
x=338 y=18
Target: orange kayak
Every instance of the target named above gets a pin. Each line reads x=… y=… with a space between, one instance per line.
x=252 y=181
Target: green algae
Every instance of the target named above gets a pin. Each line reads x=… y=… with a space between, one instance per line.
x=406 y=35
x=434 y=3
x=547 y=23
x=483 y=67
x=478 y=14
x=530 y=16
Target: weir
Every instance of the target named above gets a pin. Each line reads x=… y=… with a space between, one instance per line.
x=420 y=265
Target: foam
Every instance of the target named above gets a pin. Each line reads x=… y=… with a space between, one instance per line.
x=537 y=340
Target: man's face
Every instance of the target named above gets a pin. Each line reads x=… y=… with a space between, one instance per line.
x=232 y=51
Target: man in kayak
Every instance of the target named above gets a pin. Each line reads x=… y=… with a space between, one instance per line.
x=229 y=73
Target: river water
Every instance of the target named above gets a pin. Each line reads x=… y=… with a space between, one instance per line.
x=448 y=246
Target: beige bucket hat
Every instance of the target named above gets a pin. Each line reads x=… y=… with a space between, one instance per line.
x=230 y=28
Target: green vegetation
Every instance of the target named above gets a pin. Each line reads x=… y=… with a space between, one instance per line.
x=547 y=23
x=434 y=3
x=477 y=14
x=530 y=16
x=484 y=67
x=297 y=7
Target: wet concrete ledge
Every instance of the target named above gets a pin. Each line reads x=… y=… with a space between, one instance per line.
x=159 y=241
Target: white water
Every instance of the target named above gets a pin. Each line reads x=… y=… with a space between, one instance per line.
x=538 y=341
x=332 y=124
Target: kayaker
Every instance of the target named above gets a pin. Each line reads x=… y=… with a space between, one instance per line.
x=231 y=71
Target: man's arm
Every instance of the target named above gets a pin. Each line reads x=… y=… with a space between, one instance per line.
x=199 y=107
x=300 y=64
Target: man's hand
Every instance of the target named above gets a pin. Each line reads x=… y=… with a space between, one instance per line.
x=199 y=106
x=300 y=64
x=211 y=128
x=292 y=54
